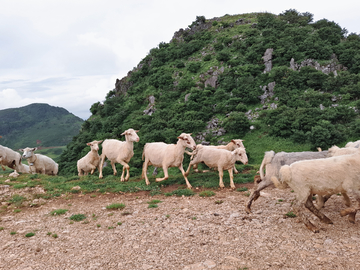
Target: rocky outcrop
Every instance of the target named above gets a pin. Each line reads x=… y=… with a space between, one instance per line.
x=210 y=78
x=333 y=66
x=268 y=59
x=213 y=128
x=151 y=107
x=268 y=92
x=123 y=85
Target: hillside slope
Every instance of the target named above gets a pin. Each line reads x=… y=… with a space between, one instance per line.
x=38 y=125
x=281 y=82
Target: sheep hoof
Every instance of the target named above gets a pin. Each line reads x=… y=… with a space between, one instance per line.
x=351 y=217
x=346 y=212
x=312 y=227
x=248 y=210
x=326 y=220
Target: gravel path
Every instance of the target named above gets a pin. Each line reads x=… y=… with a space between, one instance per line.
x=189 y=233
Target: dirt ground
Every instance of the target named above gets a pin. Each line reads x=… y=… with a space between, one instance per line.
x=191 y=233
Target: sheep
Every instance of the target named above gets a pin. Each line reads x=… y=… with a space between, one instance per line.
x=272 y=162
x=39 y=163
x=353 y=144
x=337 y=151
x=231 y=146
x=221 y=159
x=91 y=161
x=11 y=159
x=322 y=176
x=119 y=152
x=164 y=155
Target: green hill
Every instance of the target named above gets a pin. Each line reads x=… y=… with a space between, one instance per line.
x=37 y=125
x=281 y=82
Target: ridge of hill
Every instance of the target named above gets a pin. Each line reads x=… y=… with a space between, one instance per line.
x=38 y=124
x=281 y=82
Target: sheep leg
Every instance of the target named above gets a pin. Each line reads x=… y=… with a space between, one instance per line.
x=113 y=167
x=221 y=174
x=346 y=199
x=256 y=194
x=166 y=174
x=309 y=205
x=350 y=211
x=144 y=171
x=232 y=185
x=192 y=163
x=235 y=170
x=2 y=166
x=127 y=168
x=102 y=159
x=299 y=210
x=186 y=180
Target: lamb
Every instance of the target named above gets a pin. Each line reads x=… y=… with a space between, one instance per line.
x=231 y=146
x=11 y=159
x=91 y=161
x=322 y=176
x=119 y=152
x=273 y=162
x=164 y=155
x=39 y=163
x=221 y=159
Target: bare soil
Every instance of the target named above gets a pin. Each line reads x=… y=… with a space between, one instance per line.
x=189 y=233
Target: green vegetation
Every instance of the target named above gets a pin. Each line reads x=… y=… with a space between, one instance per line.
x=17 y=200
x=58 y=212
x=78 y=217
x=207 y=193
x=115 y=206
x=29 y=234
x=290 y=214
x=242 y=189
x=181 y=192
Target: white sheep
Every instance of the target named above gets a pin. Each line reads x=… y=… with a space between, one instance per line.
x=231 y=146
x=337 y=151
x=220 y=159
x=39 y=163
x=11 y=159
x=91 y=161
x=164 y=155
x=272 y=162
x=323 y=177
x=353 y=144
x=119 y=152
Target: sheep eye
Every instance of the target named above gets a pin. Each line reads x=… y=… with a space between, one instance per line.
x=188 y=142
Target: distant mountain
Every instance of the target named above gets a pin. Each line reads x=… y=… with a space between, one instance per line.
x=37 y=125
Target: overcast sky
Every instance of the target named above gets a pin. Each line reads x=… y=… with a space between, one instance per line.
x=69 y=53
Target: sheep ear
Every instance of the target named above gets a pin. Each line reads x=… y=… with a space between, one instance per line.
x=100 y=141
x=137 y=131
x=233 y=141
x=88 y=144
x=123 y=133
x=35 y=148
x=21 y=150
x=180 y=138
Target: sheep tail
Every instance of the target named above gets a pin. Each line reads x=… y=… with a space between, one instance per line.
x=285 y=177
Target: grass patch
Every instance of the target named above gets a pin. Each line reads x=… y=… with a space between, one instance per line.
x=114 y=206
x=242 y=189
x=58 y=212
x=290 y=214
x=153 y=206
x=154 y=202
x=77 y=217
x=17 y=200
x=219 y=202
x=13 y=233
x=17 y=210
x=181 y=192
x=54 y=235
x=207 y=193
x=29 y=234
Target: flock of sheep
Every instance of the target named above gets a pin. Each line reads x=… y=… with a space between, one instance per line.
x=323 y=173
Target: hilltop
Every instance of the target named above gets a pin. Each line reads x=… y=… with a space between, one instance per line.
x=281 y=82
x=38 y=125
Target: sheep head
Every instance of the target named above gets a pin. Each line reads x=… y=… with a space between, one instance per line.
x=131 y=135
x=28 y=152
x=187 y=140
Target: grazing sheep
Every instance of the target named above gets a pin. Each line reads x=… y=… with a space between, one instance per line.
x=323 y=177
x=119 y=152
x=39 y=163
x=11 y=159
x=272 y=163
x=91 y=161
x=231 y=146
x=221 y=159
x=164 y=155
